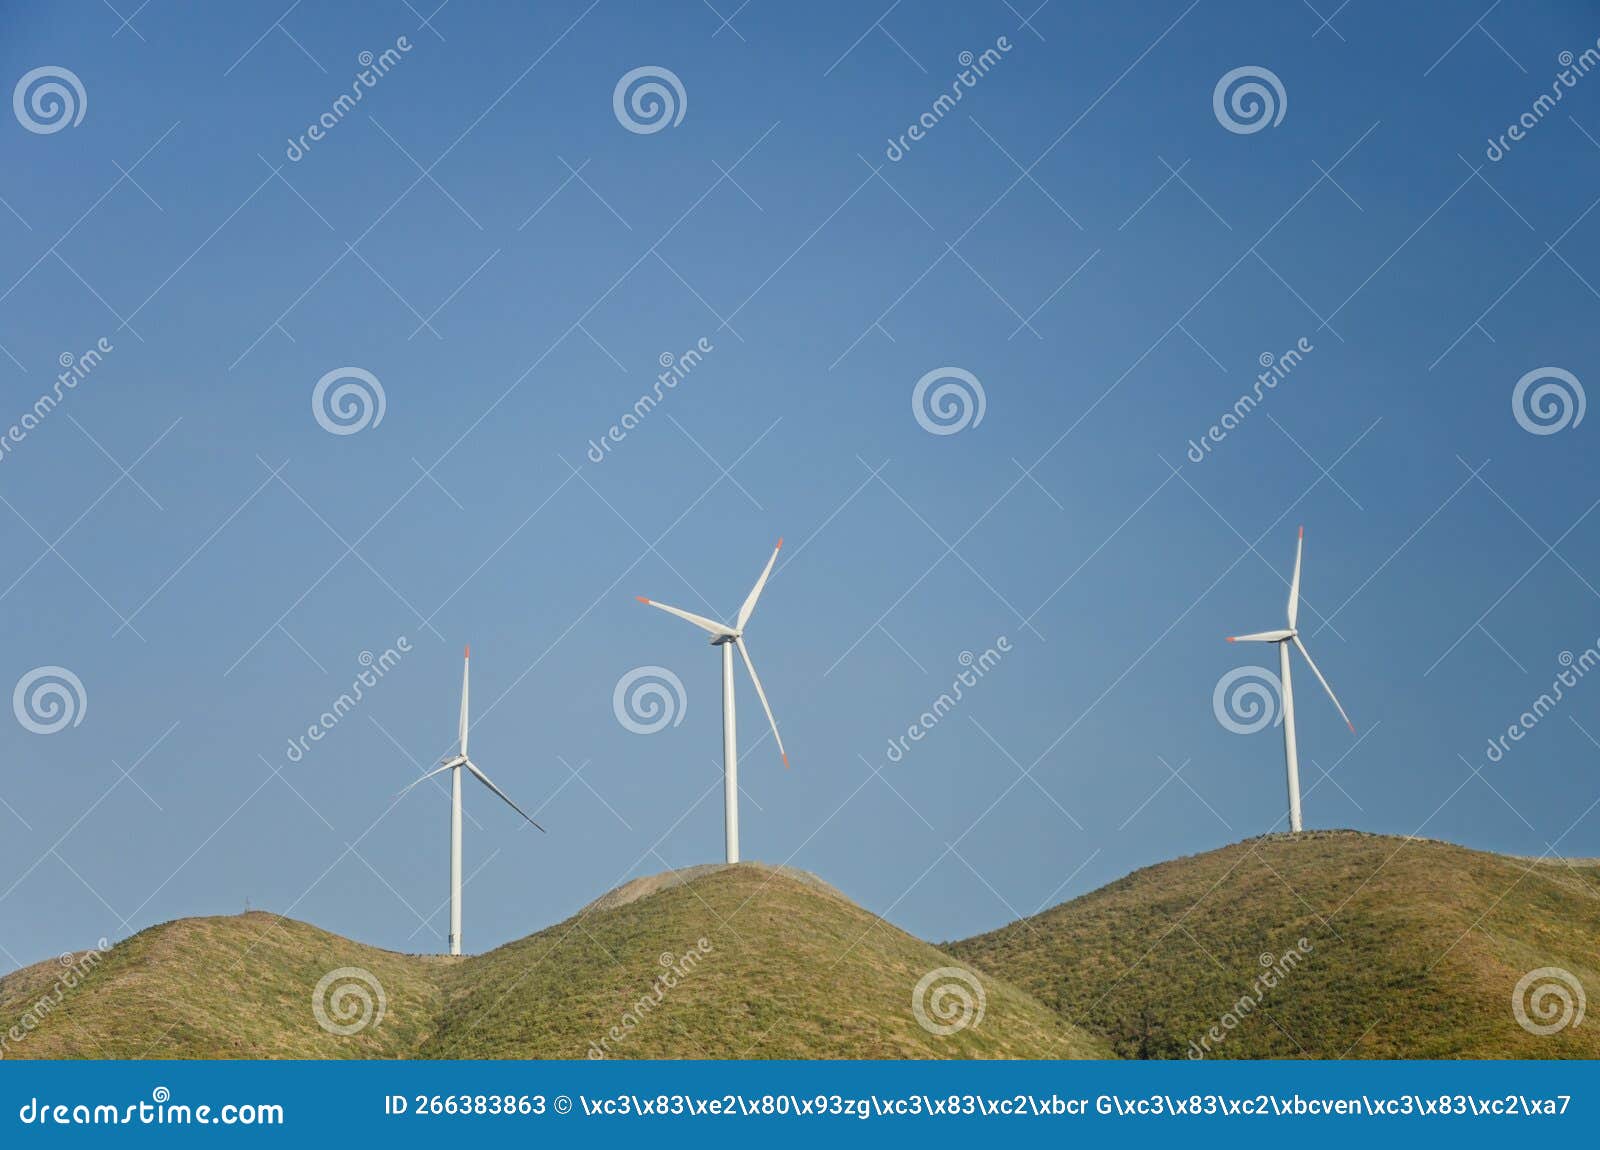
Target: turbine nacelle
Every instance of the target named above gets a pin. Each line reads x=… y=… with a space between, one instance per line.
x=730 y=639
x=1291 y=633
x=455 y=763
x=1283 y=637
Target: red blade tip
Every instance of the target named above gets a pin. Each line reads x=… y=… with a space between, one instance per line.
x=779 y=547
x=785 y=760
x=467 y=653
x=1302 y=531
x=1352 y=728
x=1230 y=638
x=641 y=598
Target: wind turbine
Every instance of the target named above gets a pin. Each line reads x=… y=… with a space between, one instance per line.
x=728 y=638
x=1283 y=639
x=454 y=764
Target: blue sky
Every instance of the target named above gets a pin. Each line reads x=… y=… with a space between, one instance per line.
x=486 y=238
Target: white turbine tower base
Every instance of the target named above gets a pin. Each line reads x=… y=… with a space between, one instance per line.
x=730 y=759
x=728 y=638
x=455 y=861
x=455 y=765
x=1291 y=756
x=1283 y=639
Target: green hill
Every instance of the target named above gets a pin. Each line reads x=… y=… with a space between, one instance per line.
x=788 y=968
x=237 y=987
x=1412 y=950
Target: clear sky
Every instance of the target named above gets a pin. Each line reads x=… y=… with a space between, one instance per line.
x=485 y=236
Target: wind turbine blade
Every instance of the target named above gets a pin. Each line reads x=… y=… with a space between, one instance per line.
x=484 y=779
x=1324 y=683
x=1294 y=584
x=762 y=695
x=698 y=620
x=755 y=592
x=424 y=778
x=1262 y=637
x=466 y=663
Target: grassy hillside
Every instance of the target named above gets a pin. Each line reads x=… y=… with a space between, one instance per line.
x=1413 y=949
x=788 y=968
x=793 y=970
x=237 y=987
